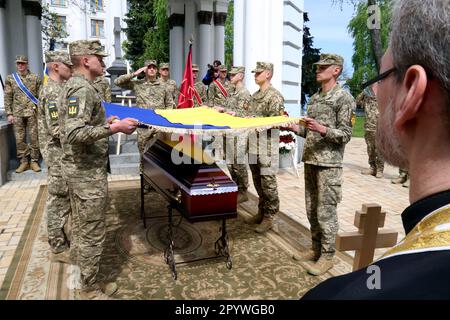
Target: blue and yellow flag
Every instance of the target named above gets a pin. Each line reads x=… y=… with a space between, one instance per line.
x=45 y=74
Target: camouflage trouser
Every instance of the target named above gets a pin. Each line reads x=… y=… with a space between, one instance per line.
x=88 y=200
x=58 y=210
x=375 y=158
x=322 y=194
x=238 y=167
x=22 y=126
x=239 y=175
x=266 y=187
x=143 y=136
x=402 y=172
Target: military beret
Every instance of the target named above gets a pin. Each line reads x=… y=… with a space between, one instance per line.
x=329 y=59
x=151 y=63
x=195 y=67
x=164 y=65
x=58 y=56
x=86 y=48
x=262 y=66
x=236 y=70
x=21 y=58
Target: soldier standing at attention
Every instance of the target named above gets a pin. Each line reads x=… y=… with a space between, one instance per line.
x=170 y=83
x=327 y=130
x=266 y=102
x=219 y=89
x=150 y=93
x=58 y=201
x=199 y=86
x=103 y=87
x=367 y=99
x=237 y=104
x=84 y=132
x=21 y=100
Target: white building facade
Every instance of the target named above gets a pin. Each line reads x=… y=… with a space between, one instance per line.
x=89 y=20
x=271 y=30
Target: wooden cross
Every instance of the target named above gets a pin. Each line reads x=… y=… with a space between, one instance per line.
x=367 y=238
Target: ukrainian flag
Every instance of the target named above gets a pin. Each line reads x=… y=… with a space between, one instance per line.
x=45 y=73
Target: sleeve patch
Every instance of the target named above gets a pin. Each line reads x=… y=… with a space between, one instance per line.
x=73 y=106
x=53 y=110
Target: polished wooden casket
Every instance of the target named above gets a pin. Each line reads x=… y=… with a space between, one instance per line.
x=199 y=191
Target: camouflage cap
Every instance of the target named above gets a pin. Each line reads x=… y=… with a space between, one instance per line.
x=164 y=65
x=222 y=68
x=236 y=70
x=21 y=58
x=86 y=48
x=58 y=56
x=195 y=67
x=329 y=59
x=261 y=66
x=151 y=63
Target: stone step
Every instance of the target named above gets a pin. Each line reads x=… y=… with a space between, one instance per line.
x=124 y=158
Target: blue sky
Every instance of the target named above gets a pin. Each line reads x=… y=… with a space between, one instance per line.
x=328 y=25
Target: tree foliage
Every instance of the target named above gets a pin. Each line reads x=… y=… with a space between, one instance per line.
x=52 y=30
x=366 y=41
x=156 y=39
x=229 y=34
x=310 y=55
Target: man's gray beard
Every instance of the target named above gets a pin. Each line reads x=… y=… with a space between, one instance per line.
x=387 y=140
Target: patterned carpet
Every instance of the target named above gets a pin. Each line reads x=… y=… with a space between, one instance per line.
x=133 y=257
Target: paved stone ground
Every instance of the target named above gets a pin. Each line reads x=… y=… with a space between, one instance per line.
x=17 y=199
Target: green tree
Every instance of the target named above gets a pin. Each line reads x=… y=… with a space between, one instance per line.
x=52 y=30
x=310 y=55
x=229 y=34
x=365 y=60
x=139 y=18
x=156 y=39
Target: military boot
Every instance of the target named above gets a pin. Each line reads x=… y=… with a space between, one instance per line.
x=406 y=183
x=321 y=266
x=99 y=291
x=308 y=255
x=399 y=179
x=63 y=257
x=265 y=225
x=35 y=166
x=24 y=166
x=242 y=196
x=379 y=174
x=256 y=219
x=369 y=172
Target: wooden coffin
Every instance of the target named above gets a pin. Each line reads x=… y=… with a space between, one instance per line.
x=200 y=192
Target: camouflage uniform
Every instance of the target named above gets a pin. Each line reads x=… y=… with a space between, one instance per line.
x=102 y=86
x=84 y=136
x=58 y=201
x=238 y=102
x=323 y=156
x=369 y=103
x=23 y=109
x=266 y=103
x=215 y=96
x=149 y=95
x=200 y=88
x=170 y=83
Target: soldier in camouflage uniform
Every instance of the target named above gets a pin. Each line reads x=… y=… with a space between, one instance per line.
x=84 y=133
x=58 y=201
x=199 y=86
x=368 y=101
x=170 y=83
x=102 y=86
x=327 y=130
x=21 y=112
x=237 y=104
x=216 y=96
x=150 y=93
x=266 y=102
x=403 y=178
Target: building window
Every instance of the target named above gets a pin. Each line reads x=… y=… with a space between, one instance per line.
x=59 y=3
x=97 y=28
x=97 y=5
x=61 y=24
x=61 y=46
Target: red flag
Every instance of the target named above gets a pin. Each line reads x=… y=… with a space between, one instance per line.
x=187 y=89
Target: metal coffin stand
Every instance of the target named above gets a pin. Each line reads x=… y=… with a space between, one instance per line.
x=200 y=192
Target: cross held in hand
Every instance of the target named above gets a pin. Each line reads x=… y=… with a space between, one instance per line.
x=368 y=237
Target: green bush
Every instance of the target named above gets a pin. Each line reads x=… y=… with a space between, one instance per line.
x=358 y=128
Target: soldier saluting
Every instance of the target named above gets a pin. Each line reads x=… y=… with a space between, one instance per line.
x=21 y=99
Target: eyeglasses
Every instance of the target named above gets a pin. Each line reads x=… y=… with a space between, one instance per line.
x=378 y=78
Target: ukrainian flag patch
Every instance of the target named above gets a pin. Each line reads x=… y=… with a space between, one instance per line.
x=72 y=107
x=53 y=110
